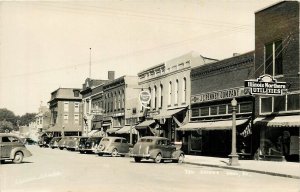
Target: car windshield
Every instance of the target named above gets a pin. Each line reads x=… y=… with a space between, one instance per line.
x=93 y=139
x=146 y=140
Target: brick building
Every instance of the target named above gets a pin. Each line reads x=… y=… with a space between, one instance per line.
x=66 y=112
x=213 y=86
x=277 y=54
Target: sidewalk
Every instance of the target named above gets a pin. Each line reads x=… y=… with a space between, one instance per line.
x=282 y=169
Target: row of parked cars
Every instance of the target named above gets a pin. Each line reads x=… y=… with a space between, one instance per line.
x=151 y=147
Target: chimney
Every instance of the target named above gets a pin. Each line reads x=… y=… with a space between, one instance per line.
x=111 y=75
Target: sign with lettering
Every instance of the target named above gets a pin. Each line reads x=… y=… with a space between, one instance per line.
x=217 y=95
x=265 y=85
x=145 y=98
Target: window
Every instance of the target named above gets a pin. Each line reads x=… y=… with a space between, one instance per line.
x=245 y=107
x=66 y=118
x=279 y=103
x=184 y=90
x=176 y=92
x=204 y=111
x=266 y=104
x=273 y=58
x=222 y=109
x=161 y=95
x=293 y=102
x=76 y=93
x=195 y=112
x=154 y=98
x=76 y=119
x=214 y=110
x=76 y=107
x=151 y=98
x=9 y=139
x=170 y=94
x=66 y=106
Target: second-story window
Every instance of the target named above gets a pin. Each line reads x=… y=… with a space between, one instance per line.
x=184 y=90
x=66 y=119
x=176 y=92
x=161 y=95
x=76 y=107
x=273 y=58
x=170 y=94
x=66 y=106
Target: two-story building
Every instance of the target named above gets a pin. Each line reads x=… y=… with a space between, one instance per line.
x=277 y=54
x=169 y=86
x=66 y=112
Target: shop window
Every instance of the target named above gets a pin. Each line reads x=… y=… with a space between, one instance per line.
x=222 y=109
x=293 y=102
x=279 y=103
x=266 y=104
x=214 y=110
x=273 y=58
x=195 y=112
x=204 y=111
x=245 y=107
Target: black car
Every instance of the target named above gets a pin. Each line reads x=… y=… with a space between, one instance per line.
x=44 y=141
x=90 y=145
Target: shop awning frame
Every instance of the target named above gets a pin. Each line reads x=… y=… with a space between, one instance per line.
x=211 y=125
x=279 y=121
x=169 y=113
x=145 y=124
x=126 y=130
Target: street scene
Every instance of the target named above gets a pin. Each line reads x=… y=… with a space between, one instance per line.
x=132 y=95
x=57 y=170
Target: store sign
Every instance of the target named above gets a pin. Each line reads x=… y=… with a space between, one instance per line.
x=145 y=98
x=217 y=95
x=265 y=85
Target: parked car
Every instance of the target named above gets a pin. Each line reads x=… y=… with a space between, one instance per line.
x=12 y=148
x=54 y=142
x=156 y=148
x=90 y=145
x=29 y=141
x=113 y=146
x=62 y=143
x=44 y=141
x=73 y=143
x=81 y=144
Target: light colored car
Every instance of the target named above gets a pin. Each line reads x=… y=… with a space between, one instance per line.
x=113 y=146
x=12 y=148
x=54 y=142
x=156 y=148
x=62 y=143
x=73 y=143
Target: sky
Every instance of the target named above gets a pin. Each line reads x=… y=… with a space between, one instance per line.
x=45 y=45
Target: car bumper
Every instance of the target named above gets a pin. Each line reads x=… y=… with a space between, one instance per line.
x=140 y=155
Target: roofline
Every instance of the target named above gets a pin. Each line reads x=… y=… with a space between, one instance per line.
x=269 y=6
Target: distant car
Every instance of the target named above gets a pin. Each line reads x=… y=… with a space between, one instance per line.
x=90 y=145
x=12 y=148
x=81 y=144
x=54 y=142
x=44 y=141
x=62 y=143
x=156 y=148
x=73 y=143
x=113 y=146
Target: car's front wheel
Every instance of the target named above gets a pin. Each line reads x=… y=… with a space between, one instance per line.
x=158 y=158
x=137 y=159
x=18 y=157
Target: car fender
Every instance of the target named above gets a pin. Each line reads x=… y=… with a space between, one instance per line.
x=110 y=148
x=25 y=152
x=176 y=154
x=153 y=153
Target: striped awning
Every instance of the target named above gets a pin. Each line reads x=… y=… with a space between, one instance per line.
x=211 y=125
x=126 y=130
x=279 y=121
x=145 y=124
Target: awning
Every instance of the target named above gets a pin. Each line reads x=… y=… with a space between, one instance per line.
x=105 y=124
x=145 y=124
x=66 y=128
x=126 y=130
x=168 y=114
x=279 y=121
x=212 y=125
x=112 y=130
x=97 y=125
x=91 y=133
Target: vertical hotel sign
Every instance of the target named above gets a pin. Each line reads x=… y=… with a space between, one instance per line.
x=265 y=85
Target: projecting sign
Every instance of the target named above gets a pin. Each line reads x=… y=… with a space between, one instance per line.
x=265 y=85
x=145 y=98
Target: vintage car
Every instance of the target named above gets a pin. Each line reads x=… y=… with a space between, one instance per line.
x=44 y=141
x=113 y=146
x=90 y=145
x=54 y=142
x=12 y=148
x=81 y=144
x=62 y=143
x=156 y=148
x=73 y=143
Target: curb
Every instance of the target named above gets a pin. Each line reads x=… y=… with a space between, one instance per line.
x=247 y=170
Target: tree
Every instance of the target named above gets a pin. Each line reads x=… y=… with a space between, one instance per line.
x=26 y=119
x=6 y=126
x=8 y=115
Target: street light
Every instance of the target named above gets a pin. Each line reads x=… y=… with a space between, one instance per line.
x=130 y=133
x=233 y=157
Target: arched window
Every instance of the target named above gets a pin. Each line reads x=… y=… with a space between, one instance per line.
x=184 y=90
x=150 y=102
x=161 y=95
x=155 y=97
x=170 y=94
x=176 y=92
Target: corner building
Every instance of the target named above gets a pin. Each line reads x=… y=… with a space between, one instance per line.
x=277 y=54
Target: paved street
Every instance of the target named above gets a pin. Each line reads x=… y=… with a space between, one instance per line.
x=56 y=170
